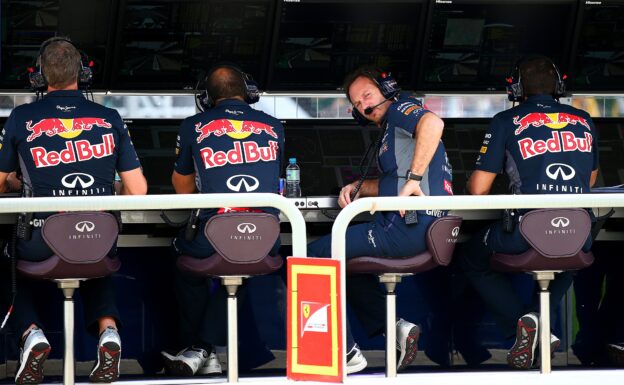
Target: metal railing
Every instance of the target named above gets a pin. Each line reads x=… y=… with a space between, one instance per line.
x=493 y=202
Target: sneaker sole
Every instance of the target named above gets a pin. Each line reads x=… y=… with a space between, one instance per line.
x=32 y=373
x=357 y=368
x=522 y=352
x=411 y=348
x=109 y=355
x=177 y=368
x=205 y=370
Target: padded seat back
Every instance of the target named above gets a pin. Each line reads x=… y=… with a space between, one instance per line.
x=442 y=235
x=556 y=233
x=242 y=238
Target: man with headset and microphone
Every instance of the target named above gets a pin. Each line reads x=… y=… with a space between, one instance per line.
x=413 y=162
x=65 y=145
x=227 y=148
x=545 y=148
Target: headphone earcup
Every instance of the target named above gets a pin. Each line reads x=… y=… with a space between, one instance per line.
x=37 y=81
x=85 y=77
x=252 y=92
x=387 y=85
x=205 y=101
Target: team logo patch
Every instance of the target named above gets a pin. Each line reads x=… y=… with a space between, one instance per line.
x=554 y=121
x=65 y=128
x=235 y=129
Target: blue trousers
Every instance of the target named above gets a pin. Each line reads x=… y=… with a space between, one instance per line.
x=495 y=288
x=386 y=236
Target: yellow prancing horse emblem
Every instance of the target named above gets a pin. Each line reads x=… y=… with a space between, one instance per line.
x=306 y=310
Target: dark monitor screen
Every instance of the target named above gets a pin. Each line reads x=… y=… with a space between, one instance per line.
x=599 y=60
x=472 y=45
x=26 y=24
x=318 y=42
x=171 y=44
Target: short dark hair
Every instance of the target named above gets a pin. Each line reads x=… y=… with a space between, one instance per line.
x=60 y=62
x=538 y=76
x=225 y=82
x=367 y=71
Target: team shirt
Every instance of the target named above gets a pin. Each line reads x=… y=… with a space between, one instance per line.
x=397 y=151
x=543 y=146
x=231 y=148
x=66 y=145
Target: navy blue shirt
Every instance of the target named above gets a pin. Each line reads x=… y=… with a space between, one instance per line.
x=66 y=145
x=232 y=148
x=543 y=146
x=396 y=152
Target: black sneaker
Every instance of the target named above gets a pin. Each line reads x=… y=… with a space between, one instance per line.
x=33 y=354
x=106 y=367
x=522 y=353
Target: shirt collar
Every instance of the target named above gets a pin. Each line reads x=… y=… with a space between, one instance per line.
x=64 y=93
x=540 y=98
x=231 y=102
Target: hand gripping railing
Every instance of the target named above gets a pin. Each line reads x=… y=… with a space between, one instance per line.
x=163 y=202
x=460 y=202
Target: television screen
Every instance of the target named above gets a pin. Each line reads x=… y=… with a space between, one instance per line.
x=472 y=45
x=318 y=42
x=171 y=44
x=598 y=63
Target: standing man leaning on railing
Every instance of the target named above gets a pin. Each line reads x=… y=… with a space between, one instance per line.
x=65 y=145
x=545 y=148
x=412 y=160
x=228 y=148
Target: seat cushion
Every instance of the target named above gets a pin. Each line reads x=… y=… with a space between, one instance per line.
x=217 y=265
x=380 y=265
x=531 y=260
x=56 y=268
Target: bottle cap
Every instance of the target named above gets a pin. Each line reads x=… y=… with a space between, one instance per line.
x=292 y=160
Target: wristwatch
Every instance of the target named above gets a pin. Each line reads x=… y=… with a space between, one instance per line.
x=413 y=176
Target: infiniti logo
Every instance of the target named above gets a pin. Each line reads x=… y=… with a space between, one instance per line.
x=236 y=182
x=85 y=226
x=560 y=171
x=77 y=179
x=560 y=222
x=246 y=228
x=455 y=232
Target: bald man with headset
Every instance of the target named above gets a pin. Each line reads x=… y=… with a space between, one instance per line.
x=412 y=162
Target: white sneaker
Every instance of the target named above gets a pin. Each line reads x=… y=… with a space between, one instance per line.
x=32 y=356
x=355 y=360
x=406 y=342
x=212 y=364
x=106 y=368
x=186 y=363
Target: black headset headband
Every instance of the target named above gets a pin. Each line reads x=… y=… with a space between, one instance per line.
x=252 y=91
x=36 y=75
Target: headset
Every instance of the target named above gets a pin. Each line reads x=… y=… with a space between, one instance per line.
x=515 y=92
x=38 y=82
x=389 y=89
x=252 y=91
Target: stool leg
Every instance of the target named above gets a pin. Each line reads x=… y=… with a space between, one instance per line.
x=543 y=279
x=68 y=287
x=231 y=285
x=390 y=281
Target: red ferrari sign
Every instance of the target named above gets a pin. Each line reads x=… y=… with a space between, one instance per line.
x=313 y=320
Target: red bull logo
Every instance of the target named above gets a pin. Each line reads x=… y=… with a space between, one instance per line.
x=236 y=129
x=243 y=152
x=74 y=151
x=66 y=128
x=555 y=121
x=559 y=142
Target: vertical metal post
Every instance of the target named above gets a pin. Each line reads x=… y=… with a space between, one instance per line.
x=231 y=284
x=68 y=286
x=390 y=281
x=543 y=279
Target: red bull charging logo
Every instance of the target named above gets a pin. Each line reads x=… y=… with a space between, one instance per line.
x=65 y=128
x=236 y=129
x=555 y=121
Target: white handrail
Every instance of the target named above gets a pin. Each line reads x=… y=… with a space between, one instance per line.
x=166 y=202
x=458 y=202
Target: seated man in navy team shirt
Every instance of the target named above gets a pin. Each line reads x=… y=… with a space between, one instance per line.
x=229 y=148
x=66 y=145
x=545 y=148
x=413 y=162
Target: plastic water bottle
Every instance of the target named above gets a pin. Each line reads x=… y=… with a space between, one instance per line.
x=293 y=177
